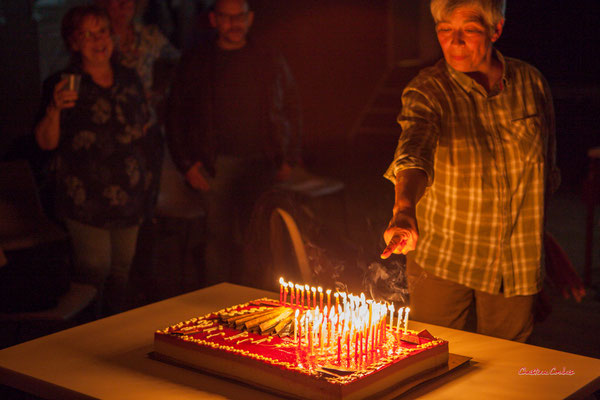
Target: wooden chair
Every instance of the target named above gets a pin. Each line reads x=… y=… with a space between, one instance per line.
x=23 y=225
x=283 y=233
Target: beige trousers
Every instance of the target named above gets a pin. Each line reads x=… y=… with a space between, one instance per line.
x=441 y=302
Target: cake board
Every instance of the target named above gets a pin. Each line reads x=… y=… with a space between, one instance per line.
x=454 y=361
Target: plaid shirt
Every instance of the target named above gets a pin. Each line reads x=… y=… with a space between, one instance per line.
x=488 y=157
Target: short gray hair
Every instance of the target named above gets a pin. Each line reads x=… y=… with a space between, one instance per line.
x=491 y=10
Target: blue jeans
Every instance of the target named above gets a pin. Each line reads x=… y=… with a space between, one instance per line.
x=103 y=258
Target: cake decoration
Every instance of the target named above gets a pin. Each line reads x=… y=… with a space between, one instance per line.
x=339 y=350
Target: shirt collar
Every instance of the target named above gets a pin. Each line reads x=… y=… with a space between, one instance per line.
x=468 y=83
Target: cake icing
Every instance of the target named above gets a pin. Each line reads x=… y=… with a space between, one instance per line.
x=261 y=343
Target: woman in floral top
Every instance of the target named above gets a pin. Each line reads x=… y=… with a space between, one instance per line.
x=105 y=138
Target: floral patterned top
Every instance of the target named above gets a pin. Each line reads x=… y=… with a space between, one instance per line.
x=148 y=46
x=105 y=159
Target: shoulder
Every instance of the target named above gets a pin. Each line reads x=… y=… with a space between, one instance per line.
x=430 y=77
x=520 y=70
x=514 y=64
x=150 y=33
x=430 y=83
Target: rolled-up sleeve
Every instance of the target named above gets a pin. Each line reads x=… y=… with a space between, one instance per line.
x=420 y=123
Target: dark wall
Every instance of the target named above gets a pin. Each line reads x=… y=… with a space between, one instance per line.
x=19 y=71
x=561 y=39
x=337 y=51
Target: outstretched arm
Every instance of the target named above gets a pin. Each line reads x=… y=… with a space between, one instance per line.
x=402 y=232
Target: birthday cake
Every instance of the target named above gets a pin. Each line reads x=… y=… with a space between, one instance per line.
x=352 y=351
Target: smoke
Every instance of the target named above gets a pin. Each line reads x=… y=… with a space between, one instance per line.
x=336 y=260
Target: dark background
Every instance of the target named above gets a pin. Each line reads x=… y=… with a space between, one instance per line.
x=338 y=49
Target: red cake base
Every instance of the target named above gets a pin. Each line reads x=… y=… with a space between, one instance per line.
x=277 y=364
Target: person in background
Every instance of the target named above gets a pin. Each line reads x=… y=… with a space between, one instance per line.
x=472 y=169
x=233 y=129
x=102 y=133
x=140 y=46
x=145 y=49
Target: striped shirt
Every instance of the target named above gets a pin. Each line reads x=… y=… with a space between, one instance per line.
x=488 y=157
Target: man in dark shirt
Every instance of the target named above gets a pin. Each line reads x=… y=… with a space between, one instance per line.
x=233 y=129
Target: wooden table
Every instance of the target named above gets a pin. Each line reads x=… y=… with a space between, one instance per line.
x=108 y=359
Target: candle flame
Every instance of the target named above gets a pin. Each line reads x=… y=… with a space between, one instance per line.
x=328 y=291
x=320 y=289
x=281 y=282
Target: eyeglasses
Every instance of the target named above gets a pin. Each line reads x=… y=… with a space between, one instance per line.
x=88 y=36
x=233 y=18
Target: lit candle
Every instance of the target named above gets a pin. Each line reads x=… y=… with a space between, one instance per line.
x=332 y=327
x=292 y=293
x=307 y=315
x=328 y=298
x=296 y=325
x=310 y=340
x=365 y=335
x=280 y=290
x=307 y=288
x=406 y=319
x=337 y=299
x=300 y=332
x=285 y=292
x=391 y=308
x=400 y=311
x=314 y=293
x=359 y=348
x=323 y=325
x=298 y=287
x=339 y=349
x=374 y=331
x=320 y=290
x=302 y=294
x=348 y=345
x=344 y=300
